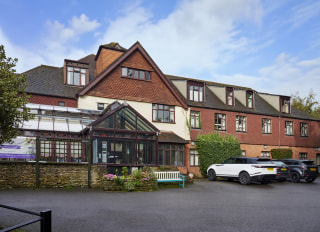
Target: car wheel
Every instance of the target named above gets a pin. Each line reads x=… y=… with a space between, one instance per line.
x=295 y=177
x=244 y=178
x=212 y=175
x=310 y=180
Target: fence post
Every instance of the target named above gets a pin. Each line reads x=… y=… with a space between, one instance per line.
x=37 y=162
x=45 y=225
x=89 y=163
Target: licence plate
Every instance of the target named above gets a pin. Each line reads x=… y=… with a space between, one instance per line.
x=283 y=169
x=313 y=169
x=269 y=169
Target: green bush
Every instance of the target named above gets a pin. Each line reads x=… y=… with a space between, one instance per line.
x=125 y=171
x=281 y=153
x=213 y=148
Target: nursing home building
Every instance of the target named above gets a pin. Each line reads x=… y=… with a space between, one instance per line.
x=131 y=114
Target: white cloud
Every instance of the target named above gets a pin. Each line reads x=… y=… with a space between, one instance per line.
x=304 y=12
x=26 y=59
x=289 y=75
x=198 y=34
x=83 y=24
x=59 y=34
x=57 y=44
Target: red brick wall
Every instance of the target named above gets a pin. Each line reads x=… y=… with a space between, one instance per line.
x=255 y=150
x=253 y=140
x=47 y=100
x=254 y=129
x=116 y=87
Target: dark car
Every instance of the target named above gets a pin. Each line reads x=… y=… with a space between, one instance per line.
x=283 y=171
x=302 y=169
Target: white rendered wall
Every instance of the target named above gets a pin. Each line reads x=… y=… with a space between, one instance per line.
x=145 y=109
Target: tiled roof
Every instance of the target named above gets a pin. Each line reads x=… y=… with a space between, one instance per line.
x=48 y=80
x=262 y=107
x=170 y=137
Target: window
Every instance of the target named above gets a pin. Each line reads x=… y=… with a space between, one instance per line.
x=171 y=154
x=195 y=119
x=265 y=154
x=243 y=153
x=250 y=99
x=135 y=74
x=194 y=158
x=100 y=106
x=195 y=92
x=285 y=105
x=241 y=123
x=266 y=126
x=62 y=151
x=288 y=129
x=302 y=156
x=163 y=113
x=303 y=129
x=61 y=103
x=230 y=97
x=76 y=76
x=219 y=121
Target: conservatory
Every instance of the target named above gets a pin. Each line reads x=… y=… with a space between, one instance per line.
x=122 y=137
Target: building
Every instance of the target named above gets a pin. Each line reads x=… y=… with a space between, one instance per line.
x=133 y=115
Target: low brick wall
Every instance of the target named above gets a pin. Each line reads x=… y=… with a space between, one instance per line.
x=51 y=175
x=17 y=175
x=59 y=175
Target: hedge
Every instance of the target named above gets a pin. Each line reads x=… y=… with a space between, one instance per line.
x=213 y=148
x=281 y=153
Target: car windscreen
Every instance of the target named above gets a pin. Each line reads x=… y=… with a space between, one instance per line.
x=308 y=162
x=278 y=163
x=264 y=160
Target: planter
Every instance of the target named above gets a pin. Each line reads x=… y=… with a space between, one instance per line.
x=129 y=185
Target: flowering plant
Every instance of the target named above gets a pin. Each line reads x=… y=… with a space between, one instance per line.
x=109 y=176
x=147 y=176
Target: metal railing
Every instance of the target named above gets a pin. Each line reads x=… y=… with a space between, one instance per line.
x=44 y=218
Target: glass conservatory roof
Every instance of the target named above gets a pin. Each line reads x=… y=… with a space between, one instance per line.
x=59 y=118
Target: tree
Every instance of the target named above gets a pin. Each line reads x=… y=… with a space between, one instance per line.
x=307 y=104
x=12 y=98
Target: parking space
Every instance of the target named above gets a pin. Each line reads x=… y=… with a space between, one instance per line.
x=203 y=206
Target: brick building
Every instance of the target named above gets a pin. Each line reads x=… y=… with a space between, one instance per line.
x=149 y=118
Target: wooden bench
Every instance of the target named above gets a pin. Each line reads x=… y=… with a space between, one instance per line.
x=170 y=176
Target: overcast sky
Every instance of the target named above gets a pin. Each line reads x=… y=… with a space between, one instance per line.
x=272 y=46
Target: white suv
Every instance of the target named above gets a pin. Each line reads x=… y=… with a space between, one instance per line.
x=246 y=169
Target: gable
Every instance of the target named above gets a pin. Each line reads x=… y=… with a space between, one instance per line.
x=114 y=85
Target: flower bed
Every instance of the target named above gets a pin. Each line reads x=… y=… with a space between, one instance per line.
x=143 y=181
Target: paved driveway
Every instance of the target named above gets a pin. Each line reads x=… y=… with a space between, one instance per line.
x=203 y=206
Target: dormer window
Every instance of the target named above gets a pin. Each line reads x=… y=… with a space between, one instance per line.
x=249 y=99
x=195 y=92
x=230 y=97
x=76 y=73
x=76 y=76
x=285 y=105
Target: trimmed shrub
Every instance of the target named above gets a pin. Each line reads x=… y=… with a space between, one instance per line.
x=213 y=148
x=281 y=153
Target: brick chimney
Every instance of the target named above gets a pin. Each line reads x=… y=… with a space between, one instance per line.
x=107 y=54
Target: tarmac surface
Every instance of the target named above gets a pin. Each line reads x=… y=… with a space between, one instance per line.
x=204 y=206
